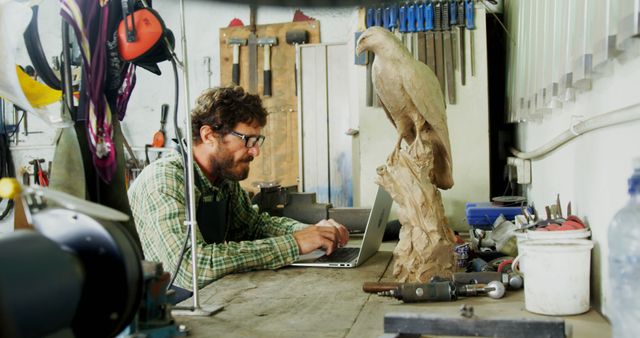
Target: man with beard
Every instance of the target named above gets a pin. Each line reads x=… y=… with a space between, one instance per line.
x=231 y=235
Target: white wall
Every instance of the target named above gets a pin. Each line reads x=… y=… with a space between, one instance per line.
x=468 y=124
x=591 y=171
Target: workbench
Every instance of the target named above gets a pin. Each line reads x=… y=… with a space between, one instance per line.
x=329 y=302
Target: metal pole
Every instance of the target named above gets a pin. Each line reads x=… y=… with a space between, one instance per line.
x=190 y=221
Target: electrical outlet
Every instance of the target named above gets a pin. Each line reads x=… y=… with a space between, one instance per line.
x=523 y=169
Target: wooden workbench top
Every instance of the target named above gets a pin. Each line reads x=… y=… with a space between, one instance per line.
x=329 y=302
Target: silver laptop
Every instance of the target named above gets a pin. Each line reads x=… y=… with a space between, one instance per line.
x=350 y=257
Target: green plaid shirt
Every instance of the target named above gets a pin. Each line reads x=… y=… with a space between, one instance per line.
x=253 y=240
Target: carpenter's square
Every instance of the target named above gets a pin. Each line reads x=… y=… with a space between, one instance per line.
x=430 y=36
x=448 y=54
x=471 y=25
x=460 y=24
x=437 y=26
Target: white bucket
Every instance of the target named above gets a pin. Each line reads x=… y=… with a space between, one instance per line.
x=523 y=235
x=556 y=275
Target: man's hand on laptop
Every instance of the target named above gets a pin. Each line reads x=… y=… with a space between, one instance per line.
x=326 y=234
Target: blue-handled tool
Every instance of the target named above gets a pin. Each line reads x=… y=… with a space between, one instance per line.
x=449 y=58
x=378 y=17
x=453 y=21
x=385 y=18
x=371 y=13
x=471 y=25
x=428 y=16
x=437 y=27
x=411 y=28
x=403 y=18
x=411 y=18
x=430 y=35
x=461 y=26
x=420 y=17
x=453 y=12
x=393 y=17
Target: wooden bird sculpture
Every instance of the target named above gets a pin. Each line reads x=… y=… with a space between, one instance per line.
x=410 y=95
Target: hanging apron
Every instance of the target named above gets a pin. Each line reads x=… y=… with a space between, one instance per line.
x=213 y=219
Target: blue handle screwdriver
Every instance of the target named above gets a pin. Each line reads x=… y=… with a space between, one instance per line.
x=411 y=27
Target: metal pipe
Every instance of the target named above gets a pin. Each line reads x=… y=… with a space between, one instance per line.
x=190 y=221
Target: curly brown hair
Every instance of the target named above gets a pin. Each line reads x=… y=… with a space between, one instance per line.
x=223 y=108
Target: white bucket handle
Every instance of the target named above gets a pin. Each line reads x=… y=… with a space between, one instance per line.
x=515 y=265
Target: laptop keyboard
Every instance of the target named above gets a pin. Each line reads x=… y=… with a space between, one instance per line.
x=340 y=255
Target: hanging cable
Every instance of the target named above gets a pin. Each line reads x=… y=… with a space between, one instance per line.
x=618 y=116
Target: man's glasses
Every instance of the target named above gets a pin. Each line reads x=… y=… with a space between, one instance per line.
x=250 y=141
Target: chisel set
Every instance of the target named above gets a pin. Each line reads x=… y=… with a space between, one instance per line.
x=434 y=33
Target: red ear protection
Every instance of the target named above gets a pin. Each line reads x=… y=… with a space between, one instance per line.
x=148 y=29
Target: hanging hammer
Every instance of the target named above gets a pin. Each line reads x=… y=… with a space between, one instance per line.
x=295 y=38
x=235 y=71
x=267 y=43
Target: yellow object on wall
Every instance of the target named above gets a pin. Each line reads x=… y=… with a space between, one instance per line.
x=38 y=94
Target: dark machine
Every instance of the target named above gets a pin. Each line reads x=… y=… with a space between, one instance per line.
x=80 y=274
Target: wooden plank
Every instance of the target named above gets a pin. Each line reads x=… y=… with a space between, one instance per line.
x=289 y=302
x=278 y=160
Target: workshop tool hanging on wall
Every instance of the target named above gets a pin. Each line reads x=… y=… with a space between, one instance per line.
x=266 y=43
x=40 y=177
x=235 y=43
x=159 y=136
x=453 y=21
x=437 y=26
x=420 y=39
x=471 y=26
x=461 y=26
x=253 y=51
x=411 y=29
x=296 y=37
x=402 y=26
x=448 y=54
x=430 y=36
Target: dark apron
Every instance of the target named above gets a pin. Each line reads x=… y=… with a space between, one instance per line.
x=213 y=219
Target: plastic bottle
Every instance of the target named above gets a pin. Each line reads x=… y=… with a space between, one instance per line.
x=624 y=263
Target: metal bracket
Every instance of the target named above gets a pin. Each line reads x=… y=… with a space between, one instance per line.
x=417 y=324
